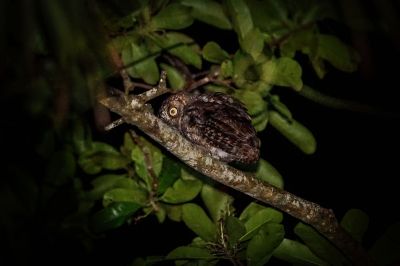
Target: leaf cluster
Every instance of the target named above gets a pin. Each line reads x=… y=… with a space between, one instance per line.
x=139 y=181
x=269 y=35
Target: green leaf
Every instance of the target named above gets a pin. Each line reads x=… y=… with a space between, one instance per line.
x=107 y=182
x=143 y=65
x=135 y=194
x=89 y=167
x=184 y=47
x=294 y=132
x=182 y=191
x=174 y=17
x=355 y=222
x=253 y=43
x=118 y=14
x=217 y=202
x=241 y=17
x=160 y=213
x=319 y=245
x=277 y=105
x=140 y=164
x=320 y=12
x=250 y=211
x=170 y=172
x=319 y=66
x=113 y=216
x=252 y=100
x=210 y=12
x=297 y=253
x=268 y=173
x=81 y=136
x=305 y=41
x=128 y=145
x=234 y=229
x=226 y=69
x=270 y=15
x=185 y=252
x=213 y=53
x=255 y=222
x=261 y=246
x=146 y=153
x=260 y=121
x=61 y=167
x=114 y=162
x=119 y=42
x=189 y=174
x=241 y=64
x=337 y=53
x=198 y=242
x=385 y=250
x=175 y=78
x=281 y=9
x=91 y=160
x=283 y=71
x=174 y=212
x=259 y=86
x=197 y=220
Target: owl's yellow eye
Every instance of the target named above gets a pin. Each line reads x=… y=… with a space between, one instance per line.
x=173 y=111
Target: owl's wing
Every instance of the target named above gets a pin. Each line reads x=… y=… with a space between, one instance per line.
x=222 y=126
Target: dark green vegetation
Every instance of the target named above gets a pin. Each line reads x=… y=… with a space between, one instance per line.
x=72 y=191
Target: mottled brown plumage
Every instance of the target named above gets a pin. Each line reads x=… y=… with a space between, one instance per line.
x=215 y=122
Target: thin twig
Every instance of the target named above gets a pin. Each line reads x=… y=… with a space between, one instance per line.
x=139 y=100
x=200 y=74
x=180 y=66
x=283 y=38
x=141 y=85
x=114 y=124
x=120 y=66
x=210 y=77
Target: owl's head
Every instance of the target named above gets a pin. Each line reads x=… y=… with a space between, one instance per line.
x=172 y=108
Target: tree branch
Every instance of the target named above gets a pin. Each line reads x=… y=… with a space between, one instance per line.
x=132 y=111
x=321 y=219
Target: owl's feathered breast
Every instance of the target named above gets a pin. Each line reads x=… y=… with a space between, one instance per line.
x=221 y=126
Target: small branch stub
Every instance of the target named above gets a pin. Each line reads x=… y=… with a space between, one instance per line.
x=114 y=124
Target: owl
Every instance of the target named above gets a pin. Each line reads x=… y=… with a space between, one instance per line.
x=214 y=121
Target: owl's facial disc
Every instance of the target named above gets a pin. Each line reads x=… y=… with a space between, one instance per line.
x=172 y=107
